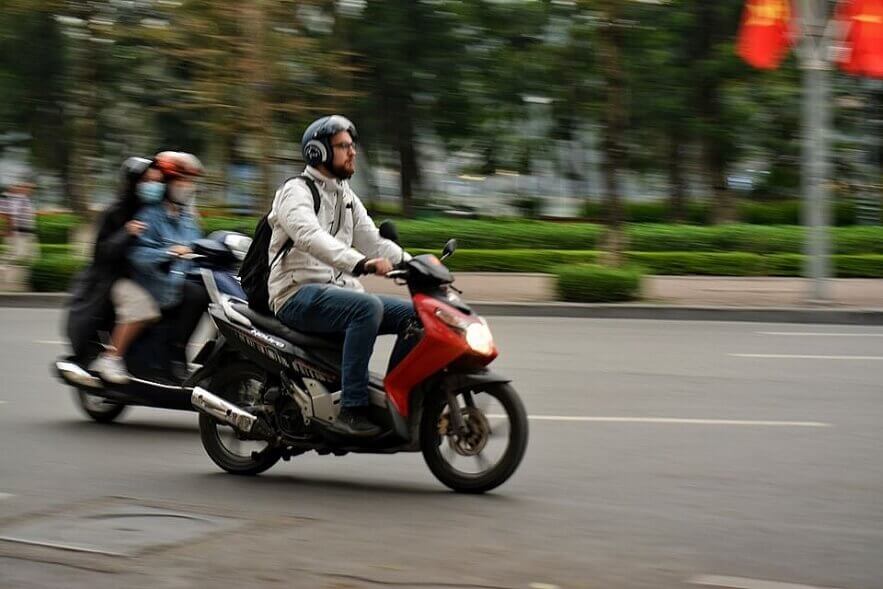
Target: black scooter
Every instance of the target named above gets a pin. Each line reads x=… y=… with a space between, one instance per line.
x=217 y=259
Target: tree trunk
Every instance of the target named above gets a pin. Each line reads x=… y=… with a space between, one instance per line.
x=83 y=100
x=709 y=108
x=408 y=170
x=613 y=127
x=253 y=13
x=677 y=186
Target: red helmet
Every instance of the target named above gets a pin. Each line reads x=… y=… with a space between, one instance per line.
x=176 y=164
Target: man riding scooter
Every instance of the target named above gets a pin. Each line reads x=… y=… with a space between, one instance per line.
x=312 y=286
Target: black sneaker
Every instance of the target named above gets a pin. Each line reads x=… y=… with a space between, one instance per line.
x=354 y=422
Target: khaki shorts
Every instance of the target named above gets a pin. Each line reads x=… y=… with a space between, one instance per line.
x=132 y=303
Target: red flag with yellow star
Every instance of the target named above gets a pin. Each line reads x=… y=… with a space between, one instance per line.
x=863 y=55
x=765 y=34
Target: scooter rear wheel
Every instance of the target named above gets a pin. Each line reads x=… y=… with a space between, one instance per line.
x=492 y=448
x=99 y=408
x=240 y=383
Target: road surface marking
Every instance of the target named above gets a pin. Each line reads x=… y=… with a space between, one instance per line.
x=820 y=334
x=5 y=496
x=51 y=342
x=578 y=418
x=805 y=357
x=744 y=583
x=69 y=547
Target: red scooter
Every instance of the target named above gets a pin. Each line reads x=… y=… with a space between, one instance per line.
x=269 y=392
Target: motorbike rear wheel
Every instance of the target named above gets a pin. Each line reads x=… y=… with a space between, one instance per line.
x=493 y=416
x=240 y=383
x=98 y=408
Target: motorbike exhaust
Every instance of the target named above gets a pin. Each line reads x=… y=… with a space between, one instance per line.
x=223 y=410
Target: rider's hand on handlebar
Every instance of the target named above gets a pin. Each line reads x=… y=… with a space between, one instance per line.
x=378 y=266
x=180 y=250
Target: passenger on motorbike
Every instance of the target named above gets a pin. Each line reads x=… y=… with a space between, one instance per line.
x=313 y=287
x=159 y=255
x=106 y=285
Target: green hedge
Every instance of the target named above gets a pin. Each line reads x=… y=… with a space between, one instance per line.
x=784 y=212
x=663 y=263
x=511 y=260
x=53 y=273
x=243 y=225
x=56 y=227
x=591 y=283
x=503 y=234
x=48 y=249
x=757 y=239
x=862 y=266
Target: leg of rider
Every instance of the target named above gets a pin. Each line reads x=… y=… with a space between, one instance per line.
x=135 y=309
x=397 y=316
x=327 y=309
x=124 y=334
x=188 y=314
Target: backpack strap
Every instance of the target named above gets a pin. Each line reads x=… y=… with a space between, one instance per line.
x=317 y=201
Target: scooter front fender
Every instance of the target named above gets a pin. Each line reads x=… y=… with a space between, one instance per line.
x=458 y=381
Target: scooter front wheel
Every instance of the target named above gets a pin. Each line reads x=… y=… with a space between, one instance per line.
x=99 y=408
x=486 y=451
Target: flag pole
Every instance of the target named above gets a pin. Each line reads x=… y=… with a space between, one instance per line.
x=816 y=67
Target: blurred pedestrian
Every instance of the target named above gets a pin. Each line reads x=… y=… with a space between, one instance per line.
x=21 y=225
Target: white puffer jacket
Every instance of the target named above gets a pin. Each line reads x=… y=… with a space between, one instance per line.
x=326 y=246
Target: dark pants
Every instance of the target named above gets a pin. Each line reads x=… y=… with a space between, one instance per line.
x=186 y=316
x=326 y=309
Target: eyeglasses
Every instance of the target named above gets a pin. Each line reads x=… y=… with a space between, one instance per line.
x=345 y=146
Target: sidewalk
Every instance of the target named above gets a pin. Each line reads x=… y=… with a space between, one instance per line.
x=714 y=298
x=686 y=291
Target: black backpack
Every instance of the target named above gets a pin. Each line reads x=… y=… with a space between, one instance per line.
x=255 y=271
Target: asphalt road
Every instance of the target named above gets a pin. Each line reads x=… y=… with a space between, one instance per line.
x=662 y=455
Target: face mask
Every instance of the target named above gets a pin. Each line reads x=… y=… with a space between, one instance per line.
x=181 y=194
x=151 y=192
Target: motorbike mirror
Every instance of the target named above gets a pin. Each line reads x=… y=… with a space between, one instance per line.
x=450 y=248
x=389 y=231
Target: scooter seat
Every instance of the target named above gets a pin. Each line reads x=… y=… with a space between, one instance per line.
x=275 y=327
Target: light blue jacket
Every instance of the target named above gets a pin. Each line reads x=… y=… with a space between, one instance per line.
x=159 y=272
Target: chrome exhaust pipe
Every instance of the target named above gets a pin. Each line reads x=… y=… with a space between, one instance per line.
x=223 y=410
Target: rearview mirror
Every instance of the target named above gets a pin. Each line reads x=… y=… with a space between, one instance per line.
x=450 y=248
x=389 y=231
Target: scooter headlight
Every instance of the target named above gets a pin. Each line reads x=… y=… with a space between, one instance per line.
x=479 y=338
x=477 y=333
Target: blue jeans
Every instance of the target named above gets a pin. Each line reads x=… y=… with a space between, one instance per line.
x=361 y=317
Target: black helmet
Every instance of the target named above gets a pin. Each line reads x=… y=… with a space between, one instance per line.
x=316 y=142
x=133 y=168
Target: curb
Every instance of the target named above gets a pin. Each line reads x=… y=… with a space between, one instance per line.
x=33 y=300
x=830 y=315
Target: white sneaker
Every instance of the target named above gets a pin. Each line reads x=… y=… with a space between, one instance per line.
x=111 y=368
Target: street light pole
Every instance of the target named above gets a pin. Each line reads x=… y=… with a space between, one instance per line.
x=816 y=177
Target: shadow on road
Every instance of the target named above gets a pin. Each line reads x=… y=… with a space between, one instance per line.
x=340 y=487
x=125 y=428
